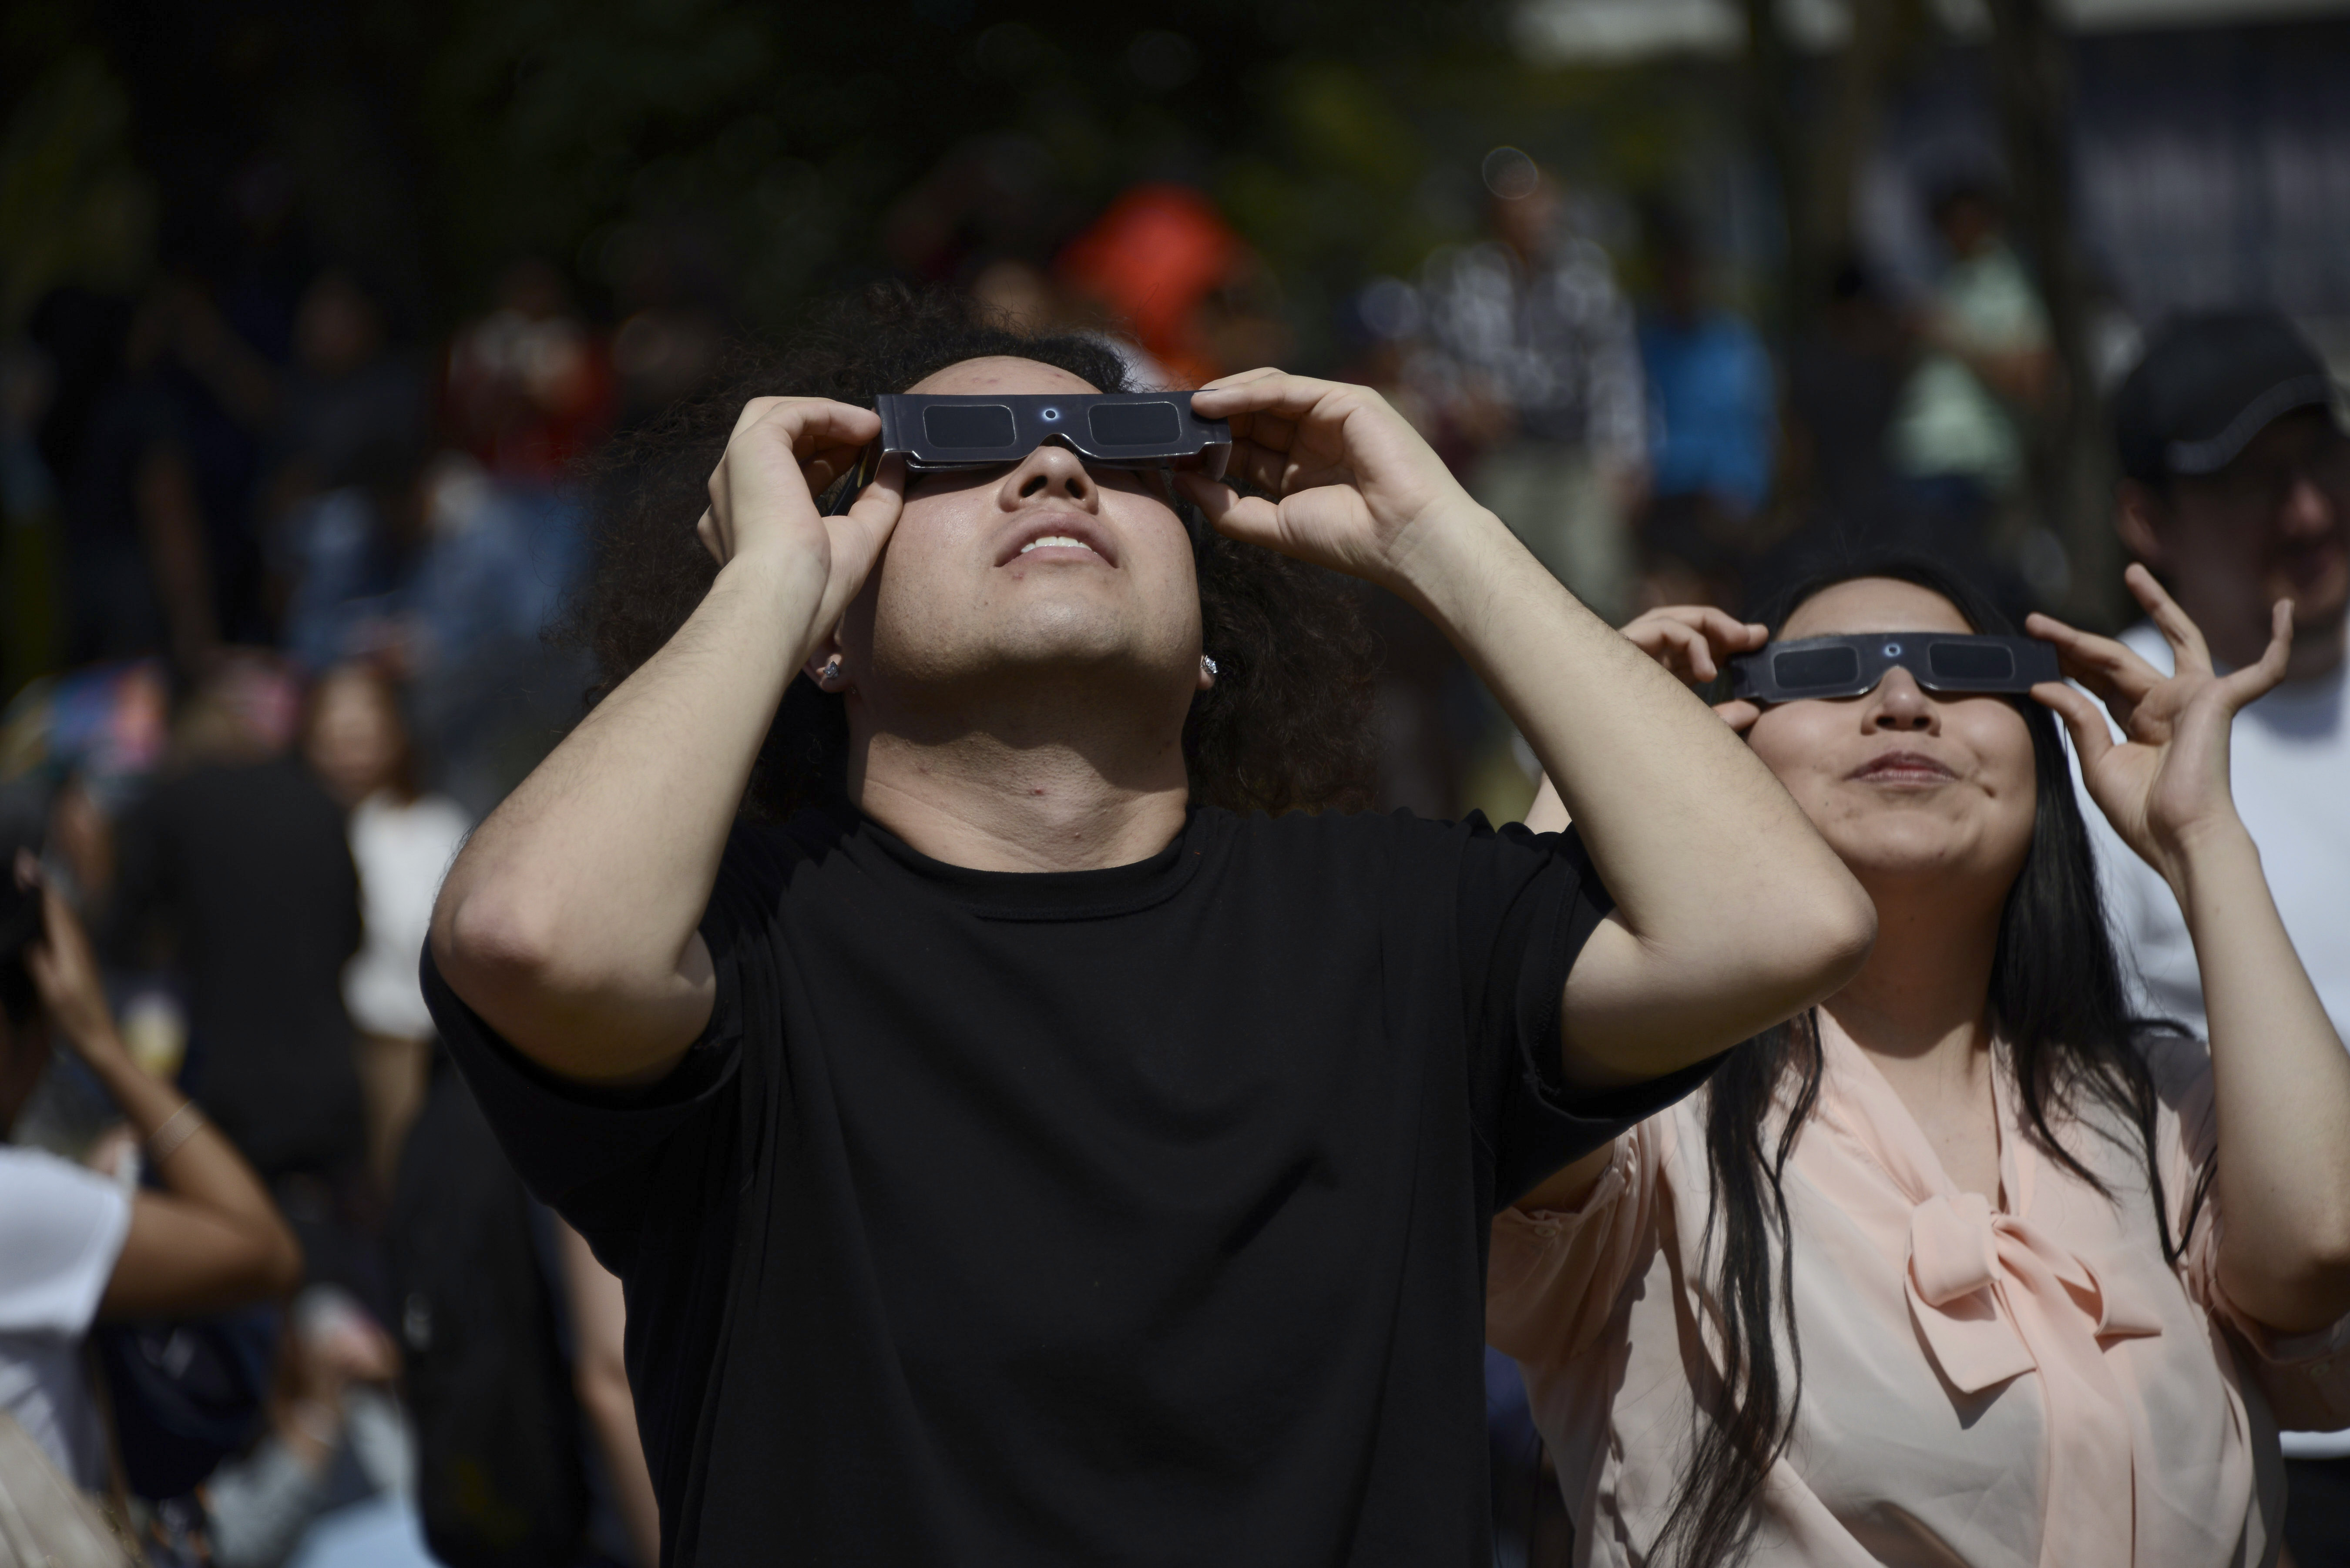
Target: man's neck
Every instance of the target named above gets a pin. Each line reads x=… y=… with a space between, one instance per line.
x=1019 y=790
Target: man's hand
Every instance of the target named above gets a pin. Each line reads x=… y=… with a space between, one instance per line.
x=784 y=453
x=1350 y=483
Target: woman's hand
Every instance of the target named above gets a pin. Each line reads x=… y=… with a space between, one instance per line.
x=784 y=453
x=1349 y=480
x=64 y=970
x=1692 y=641
x=2164 y=785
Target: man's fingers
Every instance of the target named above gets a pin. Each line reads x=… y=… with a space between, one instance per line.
x=2186 y=638
x=706 y=530
x=814 y=424
x=1259 y=466
x=1229 y=512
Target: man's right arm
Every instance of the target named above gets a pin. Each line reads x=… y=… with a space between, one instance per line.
x=570 y=920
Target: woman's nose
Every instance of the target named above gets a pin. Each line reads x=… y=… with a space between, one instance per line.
x=1901 y=704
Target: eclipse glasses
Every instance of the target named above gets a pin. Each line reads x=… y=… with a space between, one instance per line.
x=1852 y=666
x=1111 y=429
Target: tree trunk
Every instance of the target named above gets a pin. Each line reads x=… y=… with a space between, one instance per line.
x=2071 y=466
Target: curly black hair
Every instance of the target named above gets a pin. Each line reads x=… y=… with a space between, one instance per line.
x=1288 y=723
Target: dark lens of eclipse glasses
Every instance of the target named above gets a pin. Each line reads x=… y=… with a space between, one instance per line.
x=1816 y=669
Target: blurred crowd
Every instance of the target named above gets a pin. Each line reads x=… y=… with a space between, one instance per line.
x=296 y=566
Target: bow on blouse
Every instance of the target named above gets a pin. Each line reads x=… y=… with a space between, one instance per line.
x=1993 y=1298
x=1965 y=1260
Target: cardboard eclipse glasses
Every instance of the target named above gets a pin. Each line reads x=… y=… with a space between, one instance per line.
x=1852 y=666
x=1114 y=430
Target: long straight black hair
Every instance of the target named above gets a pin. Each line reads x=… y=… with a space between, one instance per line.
x=2058 y=1011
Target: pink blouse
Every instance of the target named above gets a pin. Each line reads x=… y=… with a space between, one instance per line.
x=2025 y=1385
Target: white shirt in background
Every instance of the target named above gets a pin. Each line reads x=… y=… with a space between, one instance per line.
x=401 y=852
x=61 y=1229
x=2289 y=767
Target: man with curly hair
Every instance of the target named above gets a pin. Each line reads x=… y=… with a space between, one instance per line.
x=1023 y=1136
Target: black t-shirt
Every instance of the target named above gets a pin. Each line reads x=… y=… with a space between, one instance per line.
x=1133 y=1216
x=249 y=868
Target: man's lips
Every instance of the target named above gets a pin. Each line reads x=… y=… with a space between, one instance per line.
x=1902 y=767
x=1058 y=536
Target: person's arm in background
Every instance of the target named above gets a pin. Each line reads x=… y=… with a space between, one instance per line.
x=2280 y=1076
x=599 y=1374
x=214 y=1239
x=1731 y=914
x=570 y=920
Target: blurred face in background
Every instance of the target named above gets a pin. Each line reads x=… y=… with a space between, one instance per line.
x=1043 y=575
x=2273 y=525
x=357 y=744
x=1907 y=787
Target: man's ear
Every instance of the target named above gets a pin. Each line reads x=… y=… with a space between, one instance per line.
x=2138 y=508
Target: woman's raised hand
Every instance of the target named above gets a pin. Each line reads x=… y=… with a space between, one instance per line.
x=1345 y=478
x=1692 y=641
x=785 y=452
x=2165 y=784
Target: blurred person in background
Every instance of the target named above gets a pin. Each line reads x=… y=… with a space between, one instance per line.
x=347 y=393
x=2235 y=489
x=1985 y=368
x=1536 y=362
x=138 y=573
x=76 y=1245
x=402 y=841
x=530 y=387
x=236 y=862
x=1162 y=265
x=1713 y=431
x=1845 y=377
x=599 y=1377
x=332 y=1437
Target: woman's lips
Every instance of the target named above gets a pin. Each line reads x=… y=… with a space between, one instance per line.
x=1903 y=767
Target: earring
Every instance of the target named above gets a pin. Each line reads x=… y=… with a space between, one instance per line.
x=1208 y=667
x=832 y=668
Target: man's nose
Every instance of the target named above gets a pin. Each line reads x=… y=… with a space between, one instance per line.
x=1051 y=472
x=2311 y=508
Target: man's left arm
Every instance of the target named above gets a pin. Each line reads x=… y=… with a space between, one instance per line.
x=1731 y=914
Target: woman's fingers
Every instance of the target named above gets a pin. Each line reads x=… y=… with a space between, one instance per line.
x=2255 y=681
x=2083 y=721
x=1739 y=713
x=2186 y=638
x=2112 y=670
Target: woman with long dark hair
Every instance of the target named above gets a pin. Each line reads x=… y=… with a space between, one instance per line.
x=1967 y=1265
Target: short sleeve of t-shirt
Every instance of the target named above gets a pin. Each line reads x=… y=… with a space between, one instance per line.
x=61 y=1229
x=1528 y=904
x=581 y=1150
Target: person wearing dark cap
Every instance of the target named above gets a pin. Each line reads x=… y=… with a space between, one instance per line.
x=2235 y=489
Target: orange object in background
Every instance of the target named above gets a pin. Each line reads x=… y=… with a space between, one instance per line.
x=1152 y=259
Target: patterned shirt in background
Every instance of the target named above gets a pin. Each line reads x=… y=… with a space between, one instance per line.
x=1557 y=347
